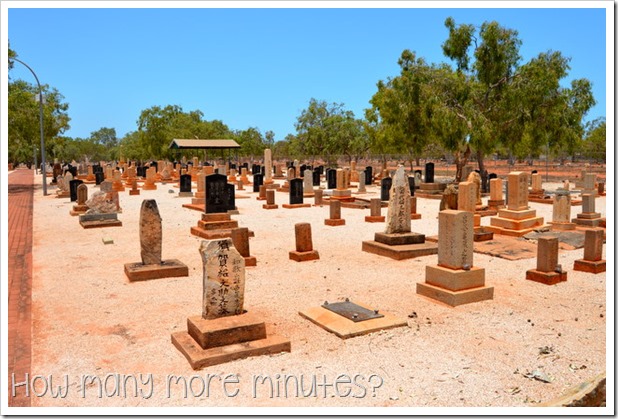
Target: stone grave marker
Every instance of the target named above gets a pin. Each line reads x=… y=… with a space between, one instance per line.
x=547 y=269
x=385 y=188
x=593 y=261
x=217 y=197
x=304 y=244
x=331 y=179
x=455 y=280
x=335 y=214
x=73 y=188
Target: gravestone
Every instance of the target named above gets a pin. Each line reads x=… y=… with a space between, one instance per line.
x=375 y=211
x=412 y=184
x=217 y=197
x=268 y=166
x=547 y=269
x=517 y=219
x=418 y=178
x=496 y=200
x=308 y=182
x=331 y=179
x=398 y=241
x=270 y=200
x=231 y=198
x=240 y=238
x=318 y=195
x=593 y=261
x=561 y=211
x=316 y=177
x=73 y=188
x=258 y=180
x=185 y=186
x=334 y=214
x=361 y=182
x=224 y=331
x=82 y=197
x=368 y=175
x=304 y=244
x=296 y=191
x=588 y=217
x=429 y=172
x=385 y=187
x=455 y=280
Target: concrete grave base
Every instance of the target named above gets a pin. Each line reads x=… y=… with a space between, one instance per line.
x=294 y=206
x=590 y=266
x=304 y=256
x=268 y=206
x=63 y=195
x=547 y=278
x=346 y=328
x=481 y=234
x=455 y=298
x=375 y=218
x=210 y=342
x=415 y=216
x=395 y=239
x=400 y=252
x=99 y=220
x=185 y=194
x=167 y=269
x=334 y=222
x=561 y=226
x=134 y=191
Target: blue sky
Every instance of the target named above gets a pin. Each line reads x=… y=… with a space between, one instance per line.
x=260 y=67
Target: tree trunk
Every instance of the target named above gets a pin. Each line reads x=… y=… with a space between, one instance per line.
x=461 y=159
x=480 y=158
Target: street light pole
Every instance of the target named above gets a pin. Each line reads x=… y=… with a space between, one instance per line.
x=41 y=125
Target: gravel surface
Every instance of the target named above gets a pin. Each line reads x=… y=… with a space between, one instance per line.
x=90 y=320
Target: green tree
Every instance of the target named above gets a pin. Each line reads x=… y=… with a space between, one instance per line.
x=520 y=108
x=595 y=140
x=23 y=119
x=402 y=108
x=328 y=130
x=251 y=142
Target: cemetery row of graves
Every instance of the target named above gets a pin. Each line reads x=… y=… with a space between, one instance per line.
x=225 y=331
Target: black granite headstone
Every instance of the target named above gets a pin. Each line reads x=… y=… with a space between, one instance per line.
x=258 y=180
x=296 y=191
x=231 y=197
x=316 y=177
x=303 y=167
x=255 y=169
x=321 y=168
x=185 y=183
x=368 y=175
x=331 y=179
x=98 y=178
x=411 y=183
x=385 y=188
x=73 y=184
x=429 y=169
x=217 y=199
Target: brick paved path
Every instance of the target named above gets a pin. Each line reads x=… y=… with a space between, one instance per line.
x=21 y=188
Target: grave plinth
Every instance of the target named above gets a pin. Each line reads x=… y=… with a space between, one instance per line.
x=593 y=261
x=517 y=220
x=343 y=323
x=225 y=331
x=100 y=220
x=455 y=281
x=151 y=237
x=240 y=238
x=214 y=226
x=547 y=270
x=398 y=241
x=431 y=190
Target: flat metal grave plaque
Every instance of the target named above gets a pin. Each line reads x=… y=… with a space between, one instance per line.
x=352 y=311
